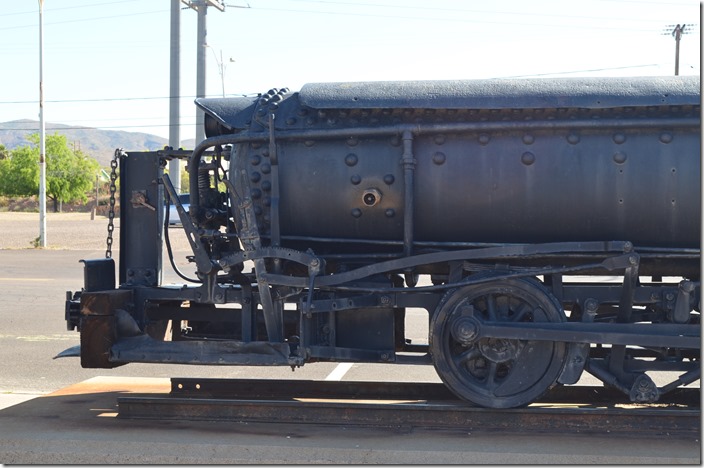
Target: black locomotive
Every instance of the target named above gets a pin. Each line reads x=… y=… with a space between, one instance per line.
x=547 y=227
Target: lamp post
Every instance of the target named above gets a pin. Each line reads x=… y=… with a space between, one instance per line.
x=42 y=132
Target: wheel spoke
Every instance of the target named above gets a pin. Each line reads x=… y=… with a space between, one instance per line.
x=491 y=383
x=491 y=307
x=466 y=356
x=520 y=313
x=504 y=307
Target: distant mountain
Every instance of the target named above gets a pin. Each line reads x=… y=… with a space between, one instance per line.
x=99 y=144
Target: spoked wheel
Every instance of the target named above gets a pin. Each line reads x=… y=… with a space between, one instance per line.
x=495 y=372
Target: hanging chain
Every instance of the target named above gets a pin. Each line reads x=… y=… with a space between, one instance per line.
x=111 y=211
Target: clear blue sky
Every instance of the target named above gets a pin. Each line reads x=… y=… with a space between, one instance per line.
x=106 y=62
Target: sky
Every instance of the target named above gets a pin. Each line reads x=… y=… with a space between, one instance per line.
x=106 y=62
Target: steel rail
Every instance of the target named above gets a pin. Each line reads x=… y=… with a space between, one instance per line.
x=408 y=406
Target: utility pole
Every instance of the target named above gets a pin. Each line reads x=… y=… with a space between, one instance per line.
x=221 y=68
x=200 y=69
x=677 y=31
x=42 y=134
x=201 y=7
x=175 y=93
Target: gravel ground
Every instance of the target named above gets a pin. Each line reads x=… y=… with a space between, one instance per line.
x=65 y=231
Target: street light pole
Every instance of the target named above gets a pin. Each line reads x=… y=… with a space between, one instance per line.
x=42 y=132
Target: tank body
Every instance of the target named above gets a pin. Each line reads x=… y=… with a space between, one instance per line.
x=492 y=162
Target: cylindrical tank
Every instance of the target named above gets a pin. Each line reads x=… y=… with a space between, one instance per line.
x=490 y=161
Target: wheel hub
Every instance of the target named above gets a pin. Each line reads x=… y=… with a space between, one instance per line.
x=498 y=349
x=465 y=330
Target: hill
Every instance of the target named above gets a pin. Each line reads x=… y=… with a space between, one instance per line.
x=97 y=143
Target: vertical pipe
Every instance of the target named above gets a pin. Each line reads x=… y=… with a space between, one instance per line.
x=408 y=161
x=42 y=132
x=409 y=166
x=200 y=70
x=175 y=93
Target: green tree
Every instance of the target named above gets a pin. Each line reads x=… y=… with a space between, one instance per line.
x=19 y=174
x=69 y=173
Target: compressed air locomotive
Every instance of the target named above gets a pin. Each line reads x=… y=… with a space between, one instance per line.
x=547 y=227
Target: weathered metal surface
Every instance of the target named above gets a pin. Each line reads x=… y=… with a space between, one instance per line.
x=140 y=223
x=372 y=390
x=412 y=413
x=588 y=93
x=514 y=173
x=145 y=349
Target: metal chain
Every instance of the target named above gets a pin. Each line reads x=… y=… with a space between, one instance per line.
x=111 y=211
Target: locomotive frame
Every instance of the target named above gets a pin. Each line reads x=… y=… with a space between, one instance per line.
x=512 y=312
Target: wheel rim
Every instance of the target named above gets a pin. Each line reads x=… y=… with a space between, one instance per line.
x=497 y=373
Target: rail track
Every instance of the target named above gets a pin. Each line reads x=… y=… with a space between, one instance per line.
x=406 y=406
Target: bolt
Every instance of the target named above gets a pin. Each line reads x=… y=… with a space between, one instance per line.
x=528 y=158
x=619 y=138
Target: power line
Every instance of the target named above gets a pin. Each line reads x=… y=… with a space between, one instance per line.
x=80 y=20
x=463 y=10
x=583 y=71
x=82 y=7
x=463 y=20
x=144 y=98
x=381 y=16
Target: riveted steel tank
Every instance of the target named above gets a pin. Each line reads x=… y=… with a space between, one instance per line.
x=486 y=161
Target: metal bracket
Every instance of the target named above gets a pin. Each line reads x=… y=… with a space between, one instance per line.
x=139 y=200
